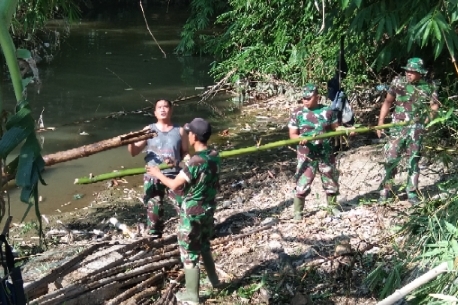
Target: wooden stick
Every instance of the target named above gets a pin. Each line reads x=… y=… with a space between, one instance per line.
x=135 y=264
x=425 y=278
x=136 y=289
x=77 y=289
x=34 y=289
x=166 y=296
x=146 y=294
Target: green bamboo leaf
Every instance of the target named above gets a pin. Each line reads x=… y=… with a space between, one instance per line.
x=435 y=252
x=345 y=3
x=426 y=34
x=437 y=31
x=11 y=139
x=389 y=25
x=357 y=3
x=438 y=47
x=454 y=245
x=26 y=81
x=24 y=171
x=450 y=228
x=441 y=119
x=380 y=28
x=19 y=116
x=23 y=54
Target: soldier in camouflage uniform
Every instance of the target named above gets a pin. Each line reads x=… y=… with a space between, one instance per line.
x=413 y=98
x=311 y=119
x=200 y=178
x=169 y=146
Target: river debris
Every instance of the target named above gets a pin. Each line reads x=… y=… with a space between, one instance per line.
x=266 y=258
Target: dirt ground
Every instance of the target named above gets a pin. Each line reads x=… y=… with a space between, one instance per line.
x=322 y=260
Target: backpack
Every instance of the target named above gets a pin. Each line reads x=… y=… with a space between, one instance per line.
x=11 y=292
x=342 y=107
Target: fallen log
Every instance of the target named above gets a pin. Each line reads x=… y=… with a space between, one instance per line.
x=135 y=264
x=40 y=286
x=244 y=151
x=129 y=276
x=69 y=292
x=140 y=297
x=136 y=289
x=90 y=149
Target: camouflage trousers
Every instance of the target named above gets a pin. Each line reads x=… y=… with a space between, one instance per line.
x=306 y=171
x=194 y=234
x=155 y=192
x=405 y=140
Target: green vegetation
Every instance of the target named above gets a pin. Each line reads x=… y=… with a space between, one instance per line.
x=298 y=42
x=20 y=18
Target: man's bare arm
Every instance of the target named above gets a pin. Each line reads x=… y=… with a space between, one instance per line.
x=184 y=145
x=384 y=111
x=385 y=108
x=137 y=147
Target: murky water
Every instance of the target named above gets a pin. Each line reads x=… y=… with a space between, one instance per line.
x=107 y=65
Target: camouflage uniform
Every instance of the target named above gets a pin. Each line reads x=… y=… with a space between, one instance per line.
x=316 y=155
x=198 y=205
x=412 y=102
x=155 y=192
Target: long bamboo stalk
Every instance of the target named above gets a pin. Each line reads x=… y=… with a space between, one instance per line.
x=425 y=278
x=242 y=151
x=7 y=9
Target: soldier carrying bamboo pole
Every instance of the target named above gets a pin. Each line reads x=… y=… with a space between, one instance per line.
x=312 y=118
x=414 y=99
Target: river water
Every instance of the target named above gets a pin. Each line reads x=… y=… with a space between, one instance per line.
x=108 y=64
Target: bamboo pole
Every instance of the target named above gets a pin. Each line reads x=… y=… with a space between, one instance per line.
x=425 y=278
x=243 y=151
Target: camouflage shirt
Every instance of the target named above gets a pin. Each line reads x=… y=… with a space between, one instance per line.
x=412 y=99
x=313 y=122
x=202 y=176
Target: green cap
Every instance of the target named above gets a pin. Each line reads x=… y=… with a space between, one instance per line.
x=415 y=64
x=308 y=90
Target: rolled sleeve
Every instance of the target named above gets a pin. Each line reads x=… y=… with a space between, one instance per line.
x=185 y=176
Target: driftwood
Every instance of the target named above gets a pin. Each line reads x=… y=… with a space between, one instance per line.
x=425 y=278
x=90 y=149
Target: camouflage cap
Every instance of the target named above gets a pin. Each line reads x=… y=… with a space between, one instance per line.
x=415 y=64
x=308 y=90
